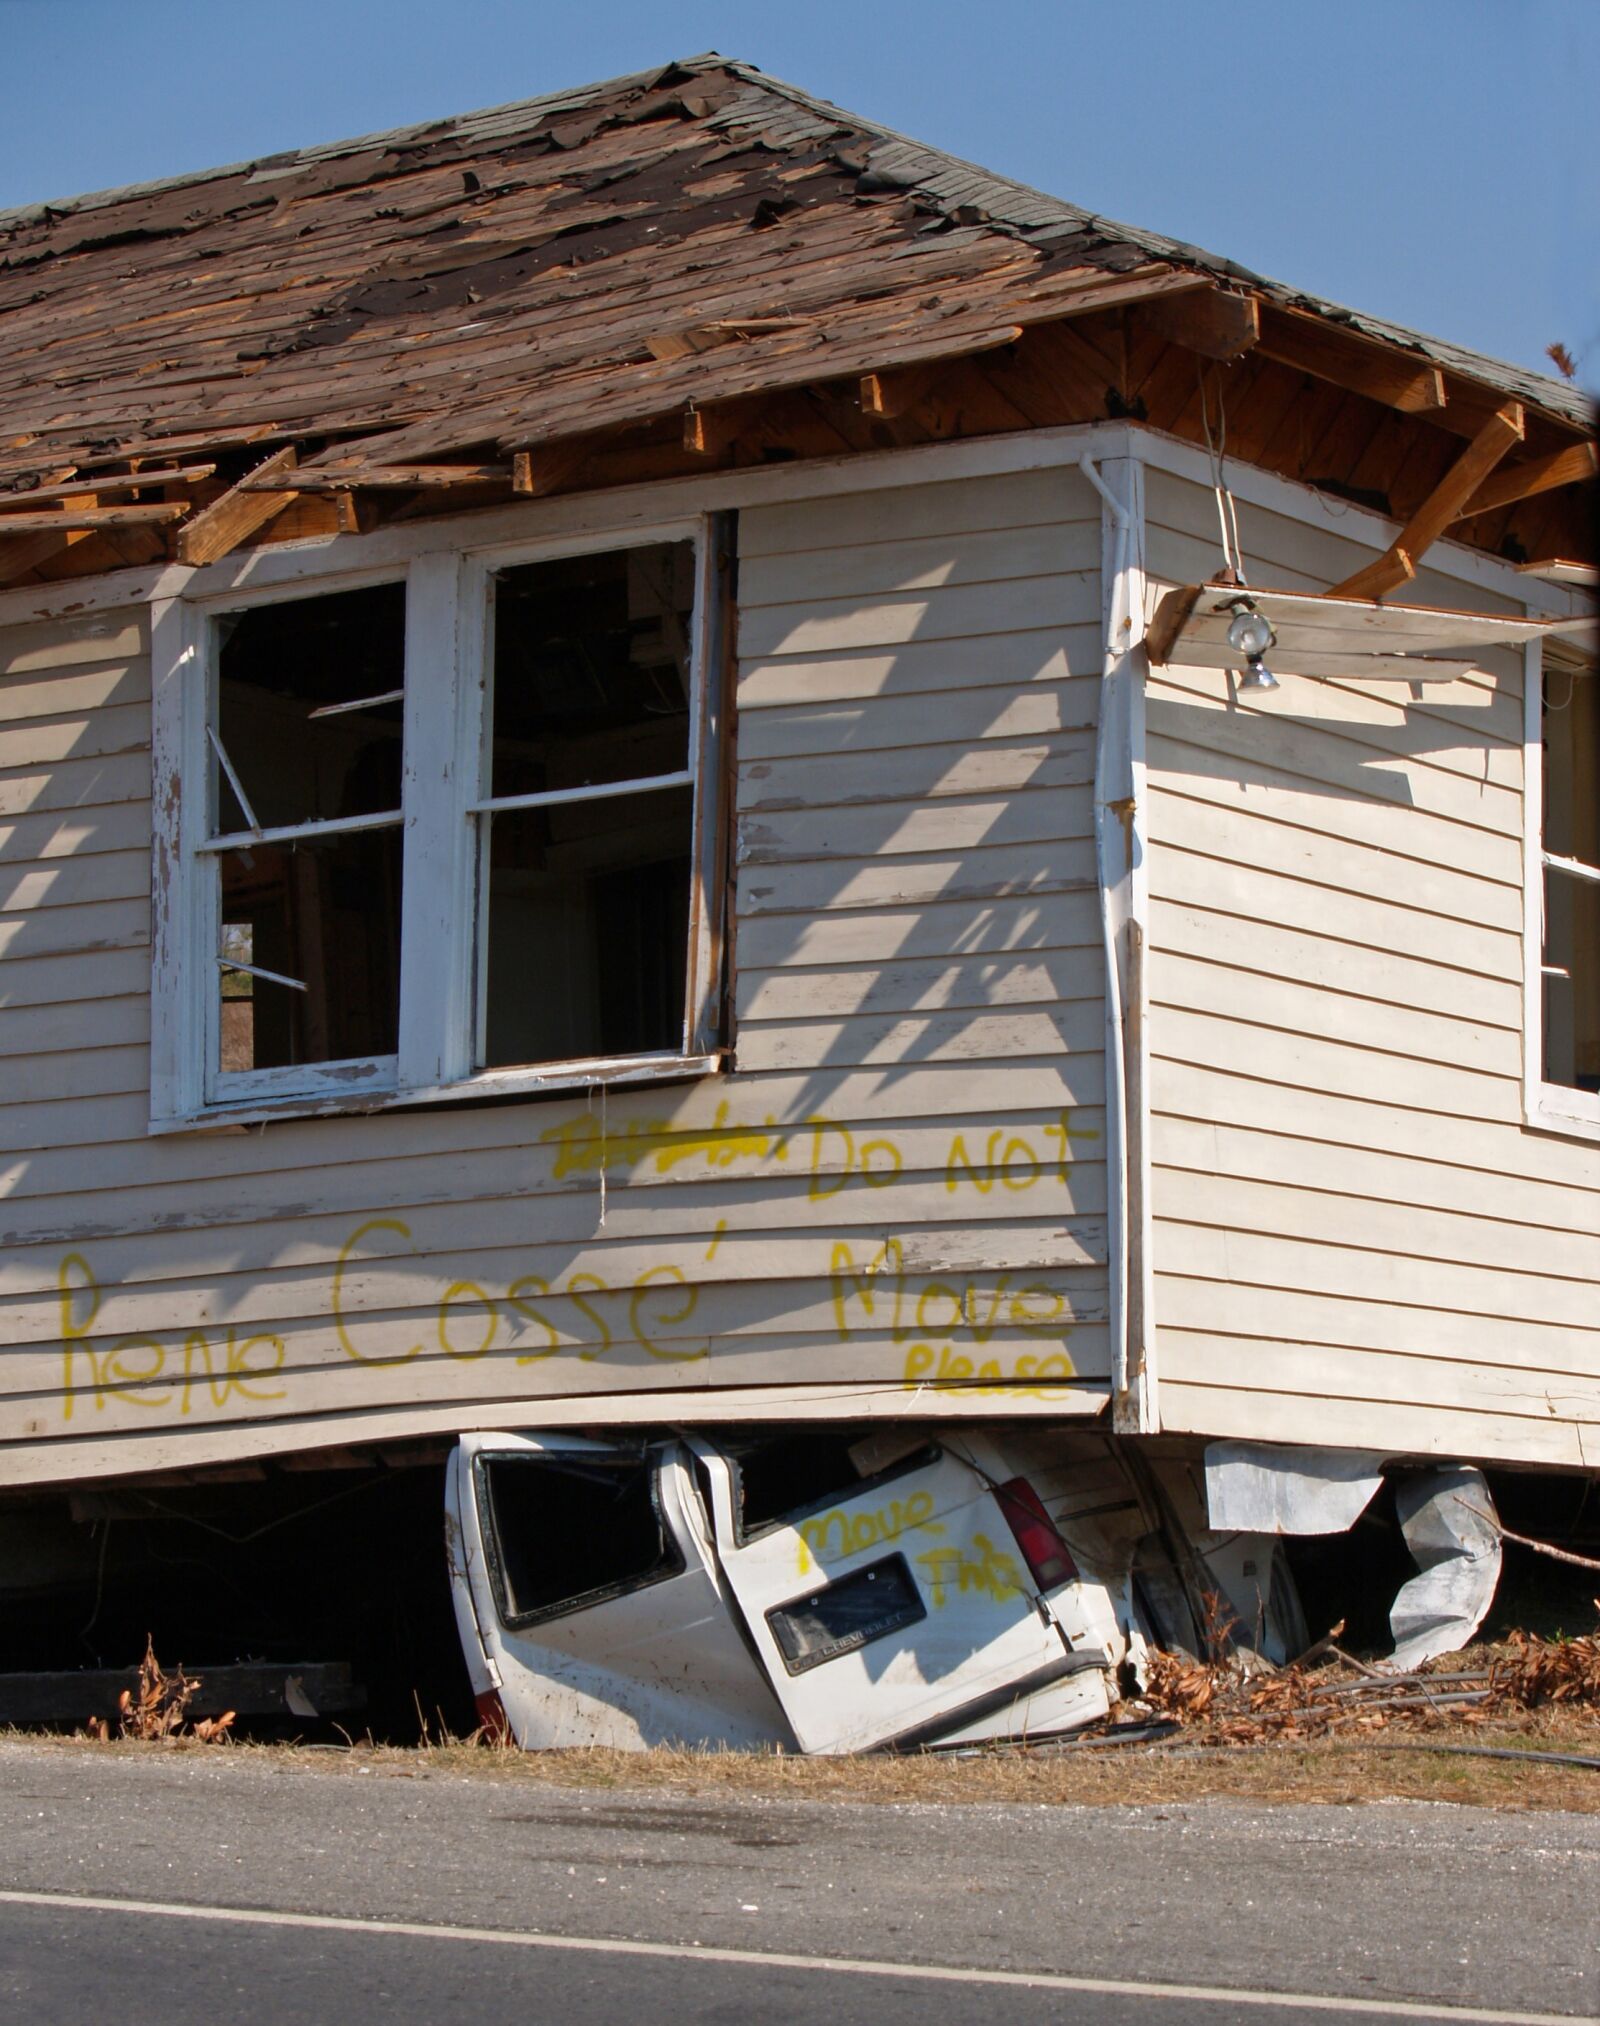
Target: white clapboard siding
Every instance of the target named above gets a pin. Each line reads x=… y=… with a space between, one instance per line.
x=1357 y=1240
x=28 y=887
x=921 y=667
x=908 y=987
x=1299 y=762
x=957 y=718
x=1478 y=739
x=920 y=773
x=895 y=1196
x=1029 y=1153
x=1265 y=893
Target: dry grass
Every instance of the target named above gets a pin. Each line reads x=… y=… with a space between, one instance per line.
x=1320 y=1769
x=1330 y=1735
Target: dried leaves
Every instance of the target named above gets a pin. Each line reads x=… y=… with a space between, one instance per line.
x=156 y=1711
x=1540 y=1671
x=1227 y=1705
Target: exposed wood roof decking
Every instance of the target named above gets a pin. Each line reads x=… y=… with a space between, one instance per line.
x=648 y=276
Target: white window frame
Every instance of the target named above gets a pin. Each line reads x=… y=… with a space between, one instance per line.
x=1553 y=1107
x=445 y=804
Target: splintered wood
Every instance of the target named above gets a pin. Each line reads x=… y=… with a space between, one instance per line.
x=639 y=280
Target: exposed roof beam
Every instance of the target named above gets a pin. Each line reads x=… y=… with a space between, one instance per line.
x=1539 y=474
x=222 y=526
x=537 y=472
x=90 y=519
x=887 y=396
x=1439 y=509
x=30 y=552
x=1312 y=345
x=390 y=477
x=1213 y=322
x=122 y=481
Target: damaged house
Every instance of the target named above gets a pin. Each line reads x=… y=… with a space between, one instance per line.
x=864 y=914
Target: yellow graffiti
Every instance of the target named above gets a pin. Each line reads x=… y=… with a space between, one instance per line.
x=838 y=1154
x=382 y=1274
x=129 y=1367
x=1012 y=1159
x=468 y=1317
x=935 y=1307
x=989 y=1572
x=831 y=1535
x=1027 y=1378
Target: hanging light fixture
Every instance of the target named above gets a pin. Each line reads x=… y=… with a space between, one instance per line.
x=1250 y=634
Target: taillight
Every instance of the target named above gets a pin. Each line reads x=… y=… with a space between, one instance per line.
x=1047 y=1555
x=492 y=1719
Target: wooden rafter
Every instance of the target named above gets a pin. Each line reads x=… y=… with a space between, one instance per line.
x=1398 y=563
x=222 y=526
x=534 y=473
x=1384 y=374
x=1213 y=321
x=32 y=552
x=1539 y=474
x=380 y=477
x=90 y=519
x=122 y=481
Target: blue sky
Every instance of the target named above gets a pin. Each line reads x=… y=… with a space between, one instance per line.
x=1432 y=161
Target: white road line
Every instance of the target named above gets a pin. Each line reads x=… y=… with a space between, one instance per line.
x=926 y=1973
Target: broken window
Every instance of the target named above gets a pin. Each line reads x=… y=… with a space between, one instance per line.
x=1571 y=873
x=458 y=830
x=587 y=834
x=305 y=748
x=563 y=1533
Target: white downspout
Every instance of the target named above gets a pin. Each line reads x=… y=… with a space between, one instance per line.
x=1119 y=624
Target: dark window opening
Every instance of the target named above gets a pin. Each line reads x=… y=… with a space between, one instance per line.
x=323 y=912
x=565 y=1533
x=778 y=1480
x=308 y=710
x=586 y=896
x=588 y=929
x=592 y=669
x=1571 y=957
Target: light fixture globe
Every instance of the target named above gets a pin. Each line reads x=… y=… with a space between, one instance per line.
x=1250 y=634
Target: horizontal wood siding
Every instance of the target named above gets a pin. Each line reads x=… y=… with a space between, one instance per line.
x=894 y=1201
x=1356 y=1240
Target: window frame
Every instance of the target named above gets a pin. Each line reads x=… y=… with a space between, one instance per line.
x=1551 y=1107
x=449 y=625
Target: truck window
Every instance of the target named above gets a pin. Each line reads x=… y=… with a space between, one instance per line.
x=564 y=1533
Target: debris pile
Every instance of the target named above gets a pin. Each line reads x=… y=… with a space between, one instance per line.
x=1225 y=1703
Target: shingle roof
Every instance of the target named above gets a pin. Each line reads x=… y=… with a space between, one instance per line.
x=525 y=273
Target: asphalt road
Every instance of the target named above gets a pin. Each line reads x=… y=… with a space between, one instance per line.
x=218 y=1888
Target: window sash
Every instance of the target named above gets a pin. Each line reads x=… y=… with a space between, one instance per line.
x=449 y=614
x=1555 y=1107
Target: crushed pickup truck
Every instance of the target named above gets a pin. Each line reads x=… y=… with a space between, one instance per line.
x=826 y=1591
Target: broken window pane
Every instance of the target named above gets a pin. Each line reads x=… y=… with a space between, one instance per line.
x=588 y=928
x=591 y=669
x=307 y=707
x=566 y=1533
x=325 y=912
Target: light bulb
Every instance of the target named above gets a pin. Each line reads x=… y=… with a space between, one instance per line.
x=1250 y=634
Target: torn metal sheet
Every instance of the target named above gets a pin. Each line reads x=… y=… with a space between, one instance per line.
x=1276 y=1488
x=1449 y=1523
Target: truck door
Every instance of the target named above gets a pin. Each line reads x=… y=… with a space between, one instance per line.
x=585 y=1579
x=889 y=1608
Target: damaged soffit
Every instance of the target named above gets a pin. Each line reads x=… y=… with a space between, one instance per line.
x=544 y=270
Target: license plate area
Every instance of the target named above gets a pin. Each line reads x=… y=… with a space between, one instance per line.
x=841 y=1617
